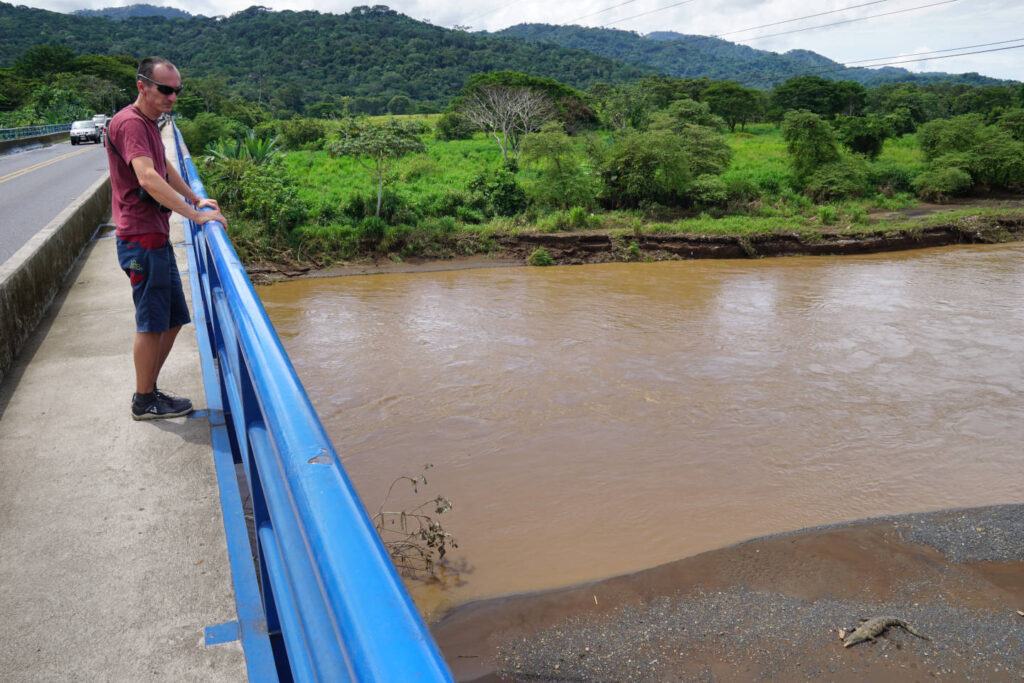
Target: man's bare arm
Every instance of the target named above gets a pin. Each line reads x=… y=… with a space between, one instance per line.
x=163 y=191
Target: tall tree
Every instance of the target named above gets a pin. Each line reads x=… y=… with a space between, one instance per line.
x=733 y=102
x=377 y=145
x=507 y=114
x=810 y=142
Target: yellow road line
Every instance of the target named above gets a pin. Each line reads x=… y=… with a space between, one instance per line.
x=41 y=164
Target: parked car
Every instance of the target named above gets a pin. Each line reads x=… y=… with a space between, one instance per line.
x=85 y=130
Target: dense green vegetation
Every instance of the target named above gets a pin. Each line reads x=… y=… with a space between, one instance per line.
x=373 y=60
x=676 y=168
x=575 y=143
x=308 y=62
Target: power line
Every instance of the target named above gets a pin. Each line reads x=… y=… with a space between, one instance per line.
x=787 y=21
x=653 y=11
x=602 y=11
x=492 y=11
x=776 y=77
x=928 y=59
x=932 y=52
x=850 y=21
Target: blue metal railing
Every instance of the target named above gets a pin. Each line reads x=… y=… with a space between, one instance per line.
x=328 y=605
x=33 y=131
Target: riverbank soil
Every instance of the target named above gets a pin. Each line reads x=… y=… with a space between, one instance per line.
x=775 y=608
x=577 y=248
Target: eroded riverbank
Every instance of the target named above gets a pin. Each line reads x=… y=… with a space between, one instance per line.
x=898 y=231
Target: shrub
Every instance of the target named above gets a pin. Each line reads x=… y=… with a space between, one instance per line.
x=741 y=188
x=442 y=225
x=940 y=184
x=325 y=212
x=709 y=190
x=393 y=208
x=827 y=215
x=810 y=142
x=709 y=152
x=864 y=134
x=989 y=154
x=502 y=191
x=262 y=192
x=577 y=218
x=454 y=126
x=646 y=168
x=771 y=182
x=372 y=228
x=540 y=257
x=267 y=129
x=207 y=127
x=687 y=111
x=334 y=242
x=943 y=136
x=857 y=215
x=891 y=177
x=1012 y=121
x=447 y=203
x=841 y=179
x=272 y=198
x=470 y=215
x=300 y=133
x=562 y=178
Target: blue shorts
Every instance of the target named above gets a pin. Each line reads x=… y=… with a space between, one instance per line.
x=148 y=260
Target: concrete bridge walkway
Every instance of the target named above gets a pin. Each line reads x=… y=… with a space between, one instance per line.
x=112 y=550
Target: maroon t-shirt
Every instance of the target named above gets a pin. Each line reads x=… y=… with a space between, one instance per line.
x=135 y=136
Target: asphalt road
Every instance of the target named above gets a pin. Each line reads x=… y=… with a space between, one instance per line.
x=37 y=184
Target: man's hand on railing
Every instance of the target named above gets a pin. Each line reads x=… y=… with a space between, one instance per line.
x=203 y=217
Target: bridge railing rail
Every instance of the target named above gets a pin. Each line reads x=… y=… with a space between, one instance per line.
x=33 y=131
x=333 y=606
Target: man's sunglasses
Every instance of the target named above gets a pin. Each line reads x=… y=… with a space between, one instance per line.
x=164 y=89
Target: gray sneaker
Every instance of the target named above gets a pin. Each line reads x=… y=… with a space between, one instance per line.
x=156 y=407
x=176 y=403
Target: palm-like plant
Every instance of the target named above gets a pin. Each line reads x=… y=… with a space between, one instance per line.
x=257 y=151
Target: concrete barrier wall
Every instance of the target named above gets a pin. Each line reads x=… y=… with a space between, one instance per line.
x=6 y=145
x=33 y=275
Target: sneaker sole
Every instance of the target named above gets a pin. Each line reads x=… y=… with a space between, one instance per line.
x=163 y=416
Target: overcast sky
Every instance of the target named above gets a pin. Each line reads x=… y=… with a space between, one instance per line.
x=901 y=34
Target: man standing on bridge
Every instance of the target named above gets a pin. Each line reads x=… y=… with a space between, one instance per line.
x=145 y=190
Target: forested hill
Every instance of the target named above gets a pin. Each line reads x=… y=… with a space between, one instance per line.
x=301 y=58
x=692 y=56
x=135 y=11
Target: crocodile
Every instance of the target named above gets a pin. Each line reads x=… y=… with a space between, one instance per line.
x=872 y=628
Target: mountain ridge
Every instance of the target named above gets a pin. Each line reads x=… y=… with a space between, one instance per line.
x=693 y=56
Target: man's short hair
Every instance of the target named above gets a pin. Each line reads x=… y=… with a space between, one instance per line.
x=147 y=65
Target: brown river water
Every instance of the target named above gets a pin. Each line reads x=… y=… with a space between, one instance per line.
x=588 y=421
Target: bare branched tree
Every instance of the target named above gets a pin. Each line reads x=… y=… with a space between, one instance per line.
x=507 y=114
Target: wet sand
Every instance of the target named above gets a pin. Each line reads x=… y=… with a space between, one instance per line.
x=772 y=609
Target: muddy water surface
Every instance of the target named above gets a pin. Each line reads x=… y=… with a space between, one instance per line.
x=594 y=420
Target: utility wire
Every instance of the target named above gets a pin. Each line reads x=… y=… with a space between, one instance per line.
x=491 y=11
x=601 y=11
x=644 y=14
x=777 y=77
x=787 y=21
x=850 y=21
x=932 y=52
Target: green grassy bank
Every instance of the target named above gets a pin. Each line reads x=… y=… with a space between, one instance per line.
x=436 y=205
